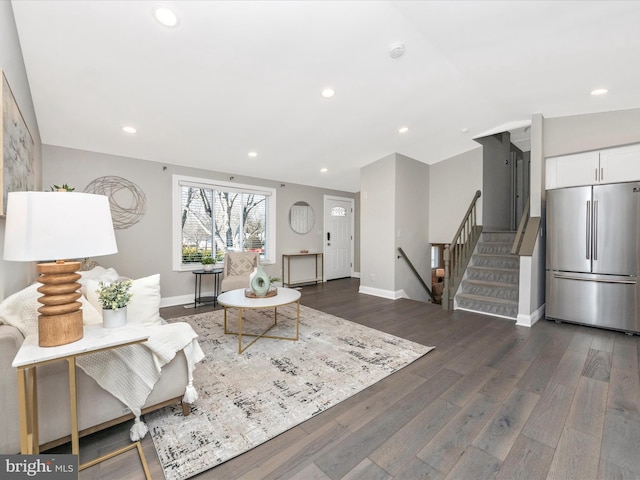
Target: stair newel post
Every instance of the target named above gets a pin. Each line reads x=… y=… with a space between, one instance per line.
x=445 y=287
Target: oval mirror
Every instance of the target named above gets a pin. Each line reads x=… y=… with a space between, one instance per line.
x=301 y=217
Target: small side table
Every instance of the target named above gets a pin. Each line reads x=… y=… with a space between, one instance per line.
x=30 y=356
x=197 y=296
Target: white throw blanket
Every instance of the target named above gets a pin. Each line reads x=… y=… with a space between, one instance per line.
x=130 y=373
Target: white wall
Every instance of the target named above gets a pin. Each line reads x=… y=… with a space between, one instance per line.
x=15 y=275
x=412 y=226
x=145 y=248
x=452 y=185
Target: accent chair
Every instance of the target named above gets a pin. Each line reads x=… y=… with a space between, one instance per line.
x=238 y=266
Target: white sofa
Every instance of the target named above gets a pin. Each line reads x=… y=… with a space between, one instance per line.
x=97 y=408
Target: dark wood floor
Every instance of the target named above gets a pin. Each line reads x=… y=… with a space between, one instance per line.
x=493 y=400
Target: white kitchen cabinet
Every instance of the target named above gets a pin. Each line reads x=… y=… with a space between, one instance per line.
x=620 y=164
x=612 y=165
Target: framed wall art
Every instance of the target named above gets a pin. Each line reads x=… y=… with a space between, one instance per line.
x=18 y=149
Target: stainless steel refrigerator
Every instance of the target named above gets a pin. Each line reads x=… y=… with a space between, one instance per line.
x=593 y=255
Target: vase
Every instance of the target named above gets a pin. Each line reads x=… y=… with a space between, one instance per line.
x=114 y=318
x=208 y=267
x=260 y=283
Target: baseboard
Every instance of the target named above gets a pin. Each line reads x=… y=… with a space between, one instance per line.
x=378 y=292
x=478 y=312
x=355 y=274
x=529 y=320
x=173 y=301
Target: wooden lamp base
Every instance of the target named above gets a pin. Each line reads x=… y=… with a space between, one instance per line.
x=60 y=320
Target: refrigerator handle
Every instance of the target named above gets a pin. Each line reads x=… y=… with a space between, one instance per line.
x=588 y=234
x=595 y=230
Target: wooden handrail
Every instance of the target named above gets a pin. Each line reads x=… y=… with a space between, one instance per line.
x=515 y=249
x=472 y=208
x=413 y=269
x=458 y=253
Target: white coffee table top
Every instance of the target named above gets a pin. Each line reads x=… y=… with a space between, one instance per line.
x=237 y=299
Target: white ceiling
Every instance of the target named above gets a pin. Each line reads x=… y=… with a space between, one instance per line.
x=240 y=76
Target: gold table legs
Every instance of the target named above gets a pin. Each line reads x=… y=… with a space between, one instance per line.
x=241 y=333
x=28 y=412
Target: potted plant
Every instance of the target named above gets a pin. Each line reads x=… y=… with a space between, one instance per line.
x=63 y=188
x=114 y=298
x=207 y=263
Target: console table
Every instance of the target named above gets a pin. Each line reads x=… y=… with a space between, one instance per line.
x=31 y=355
x=286 y=273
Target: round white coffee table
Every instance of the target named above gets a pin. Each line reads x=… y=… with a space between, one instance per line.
x=237 y=299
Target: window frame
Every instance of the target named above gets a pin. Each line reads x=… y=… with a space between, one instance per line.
x=179 y=181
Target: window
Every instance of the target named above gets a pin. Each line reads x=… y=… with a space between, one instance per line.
x=212 y=217
x=437 y=255
x=338 y=212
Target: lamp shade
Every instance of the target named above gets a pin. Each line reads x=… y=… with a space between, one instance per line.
x=43 y=226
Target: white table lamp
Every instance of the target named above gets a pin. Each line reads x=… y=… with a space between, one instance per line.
x=54 y=227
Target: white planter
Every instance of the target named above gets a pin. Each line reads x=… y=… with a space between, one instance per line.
x=114 y=318
x=208 y=267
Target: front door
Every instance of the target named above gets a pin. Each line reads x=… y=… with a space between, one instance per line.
x=338 y=237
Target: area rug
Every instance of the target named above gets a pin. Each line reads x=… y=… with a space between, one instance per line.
x=273 y=386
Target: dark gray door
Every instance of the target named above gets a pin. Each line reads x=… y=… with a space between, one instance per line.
x=568 y=229
x=616 y=224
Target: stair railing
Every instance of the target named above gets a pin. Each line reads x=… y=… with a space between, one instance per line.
x=521 y=229
x=526 y=235
x=458 y=253
x=413 y=269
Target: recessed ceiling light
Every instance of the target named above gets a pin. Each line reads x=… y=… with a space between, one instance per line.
x=129 y=129
x=324 y=170
x=465 y=130
x=253 y=154
x=166 y=17
x=403 y=129
x=328 y=92
x=599 y=91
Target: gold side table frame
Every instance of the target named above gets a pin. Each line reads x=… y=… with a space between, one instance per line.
x=286 y=279
x=30 y=356
x=236 y=299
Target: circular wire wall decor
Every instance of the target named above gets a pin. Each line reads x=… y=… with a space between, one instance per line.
x=126 y=200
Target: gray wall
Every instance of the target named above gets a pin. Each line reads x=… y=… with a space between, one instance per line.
x=377 y=220
x=496 y=183
x=580 y=133
x=394 y=210
x=16 y=275
x=412 y=226
x=452 y=184
x=145 y=248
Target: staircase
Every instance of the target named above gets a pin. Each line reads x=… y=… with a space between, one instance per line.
x=491 y=281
